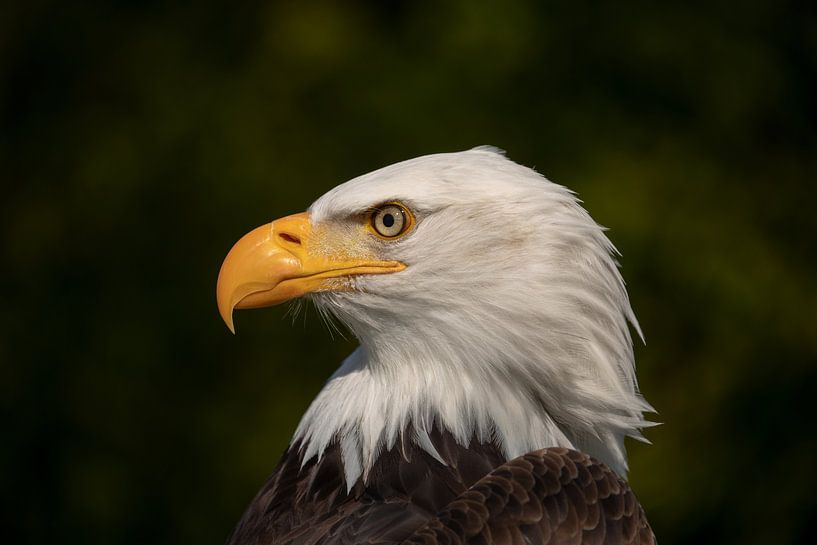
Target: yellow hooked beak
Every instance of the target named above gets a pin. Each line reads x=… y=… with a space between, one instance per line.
x=278 y=262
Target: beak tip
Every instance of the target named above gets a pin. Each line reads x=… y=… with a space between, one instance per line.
x=226 y=313
x=227 y=316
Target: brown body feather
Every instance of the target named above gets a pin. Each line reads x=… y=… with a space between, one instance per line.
x=550 y=496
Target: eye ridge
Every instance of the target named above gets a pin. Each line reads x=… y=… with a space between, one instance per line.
x=390 y=221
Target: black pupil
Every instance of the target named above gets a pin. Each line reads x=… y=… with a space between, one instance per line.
x=388 y=220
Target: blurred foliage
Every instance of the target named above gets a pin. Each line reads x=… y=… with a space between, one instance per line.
x=138 y=140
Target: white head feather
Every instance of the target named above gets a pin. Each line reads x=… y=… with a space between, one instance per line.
x=510 y=323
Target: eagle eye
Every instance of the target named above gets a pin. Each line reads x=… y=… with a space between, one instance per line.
x=391 y=220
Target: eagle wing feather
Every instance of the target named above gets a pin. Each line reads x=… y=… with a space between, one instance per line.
x=547 y=497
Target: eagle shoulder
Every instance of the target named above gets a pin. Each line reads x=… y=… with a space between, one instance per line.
x=546 y=497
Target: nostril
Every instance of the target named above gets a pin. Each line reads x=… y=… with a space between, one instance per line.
x=290 y=238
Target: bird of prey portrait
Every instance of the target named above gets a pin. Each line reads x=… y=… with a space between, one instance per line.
x=494 y=385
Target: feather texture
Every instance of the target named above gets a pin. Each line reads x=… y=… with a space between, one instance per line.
x=547 y=497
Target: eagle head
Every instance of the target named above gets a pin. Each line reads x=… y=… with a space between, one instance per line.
x=486 y=300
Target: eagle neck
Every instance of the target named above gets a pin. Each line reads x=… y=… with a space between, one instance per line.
x=381 y=399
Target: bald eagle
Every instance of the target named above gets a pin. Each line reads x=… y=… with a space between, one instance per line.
x=494 y=384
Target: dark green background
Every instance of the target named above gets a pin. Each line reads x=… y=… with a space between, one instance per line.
x=139 y=140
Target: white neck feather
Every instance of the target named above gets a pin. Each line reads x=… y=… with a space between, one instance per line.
x=367 y=407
